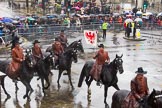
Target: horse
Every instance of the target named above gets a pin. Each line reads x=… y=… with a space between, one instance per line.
x=43 y=68
x=25 y=77
x=65 y=62
x=108 y=75
x=150 y=101
x=77 y=45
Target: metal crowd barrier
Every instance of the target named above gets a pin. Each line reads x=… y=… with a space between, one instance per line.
x=51 y=29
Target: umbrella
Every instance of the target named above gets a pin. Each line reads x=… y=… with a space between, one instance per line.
x=160 y=14
x=129 y=15
x=138 y=20
x=1 y=18
x=22 y=19
x=5 y=19
x=76 y=8
x=16 y=18
x=138 y=12
x=9 y=24
x=50 y=7
x=116 y=14
x=30 y=18
x=147 y=13
x=62 y=15
x=15 y=21
x=92 y=15
x=128 y=20
x=85 y=16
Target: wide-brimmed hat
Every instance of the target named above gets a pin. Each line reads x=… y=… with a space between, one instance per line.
x=62 y=31
x=36 y=41
x=17 y=42
x=140 y=71
x=101 y=45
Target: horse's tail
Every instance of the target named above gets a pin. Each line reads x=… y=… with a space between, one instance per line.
x=82 y=75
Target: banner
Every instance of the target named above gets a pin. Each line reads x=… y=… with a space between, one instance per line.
x=90 y=37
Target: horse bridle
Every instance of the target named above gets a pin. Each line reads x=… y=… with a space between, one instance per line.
x=155 y=98
x=29 y=55
x=74 y=52
x=118 y=62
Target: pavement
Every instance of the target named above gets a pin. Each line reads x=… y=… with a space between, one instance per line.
x=152 y=32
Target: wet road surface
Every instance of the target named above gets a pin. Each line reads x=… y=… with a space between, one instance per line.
x=146 y=53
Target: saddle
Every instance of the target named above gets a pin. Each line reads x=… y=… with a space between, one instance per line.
x=12 y=70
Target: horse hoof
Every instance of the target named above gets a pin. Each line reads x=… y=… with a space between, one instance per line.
x=65 y=73
x=106 y=105
x=24 y=96
x=73 y=88
x=89 y=92
x=31 y=91
x=89 y=100
x=8 y=96
x=59 y=86
x=29 y=99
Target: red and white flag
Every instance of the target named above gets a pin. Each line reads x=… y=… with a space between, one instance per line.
x=90 y=37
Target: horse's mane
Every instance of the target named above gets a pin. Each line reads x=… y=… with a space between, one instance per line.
x=68 y=51
x=110 y=64
x=72 y=44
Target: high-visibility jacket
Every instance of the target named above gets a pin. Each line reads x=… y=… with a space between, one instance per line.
x=104 y=26
x=132 y=24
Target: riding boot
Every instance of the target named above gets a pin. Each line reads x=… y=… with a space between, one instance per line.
x=56 y=64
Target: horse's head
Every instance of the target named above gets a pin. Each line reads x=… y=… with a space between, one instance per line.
x=49 y=60
x=80 y=46
x=153 y=98
x=74 y=55
x=29 y=58
x=77 y=45
x=119 y=63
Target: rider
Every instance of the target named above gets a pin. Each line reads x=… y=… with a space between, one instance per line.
x=139 y=90
x=58 y=50
x=36 y=50
x=101 y=57
x=17 y=59
x=63 y=39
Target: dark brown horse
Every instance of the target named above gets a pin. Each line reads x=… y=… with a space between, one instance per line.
x=65 y=62
x=43 y=68
x=25 y=74
x=108 y=74
x=154 y=100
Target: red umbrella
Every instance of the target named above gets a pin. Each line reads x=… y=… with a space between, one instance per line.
x=1 y=18
x=76 y=8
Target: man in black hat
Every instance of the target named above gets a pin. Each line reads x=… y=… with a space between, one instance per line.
x=101 y=57
x=139 y=90
x=63 y=39
x=36 y=50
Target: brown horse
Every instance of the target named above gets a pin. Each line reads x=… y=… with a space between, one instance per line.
x=25 y=73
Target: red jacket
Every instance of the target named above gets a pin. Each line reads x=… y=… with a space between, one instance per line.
x=101 y=56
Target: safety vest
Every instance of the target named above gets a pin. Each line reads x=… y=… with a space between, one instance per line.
x=104 y=26
x=132 y=24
